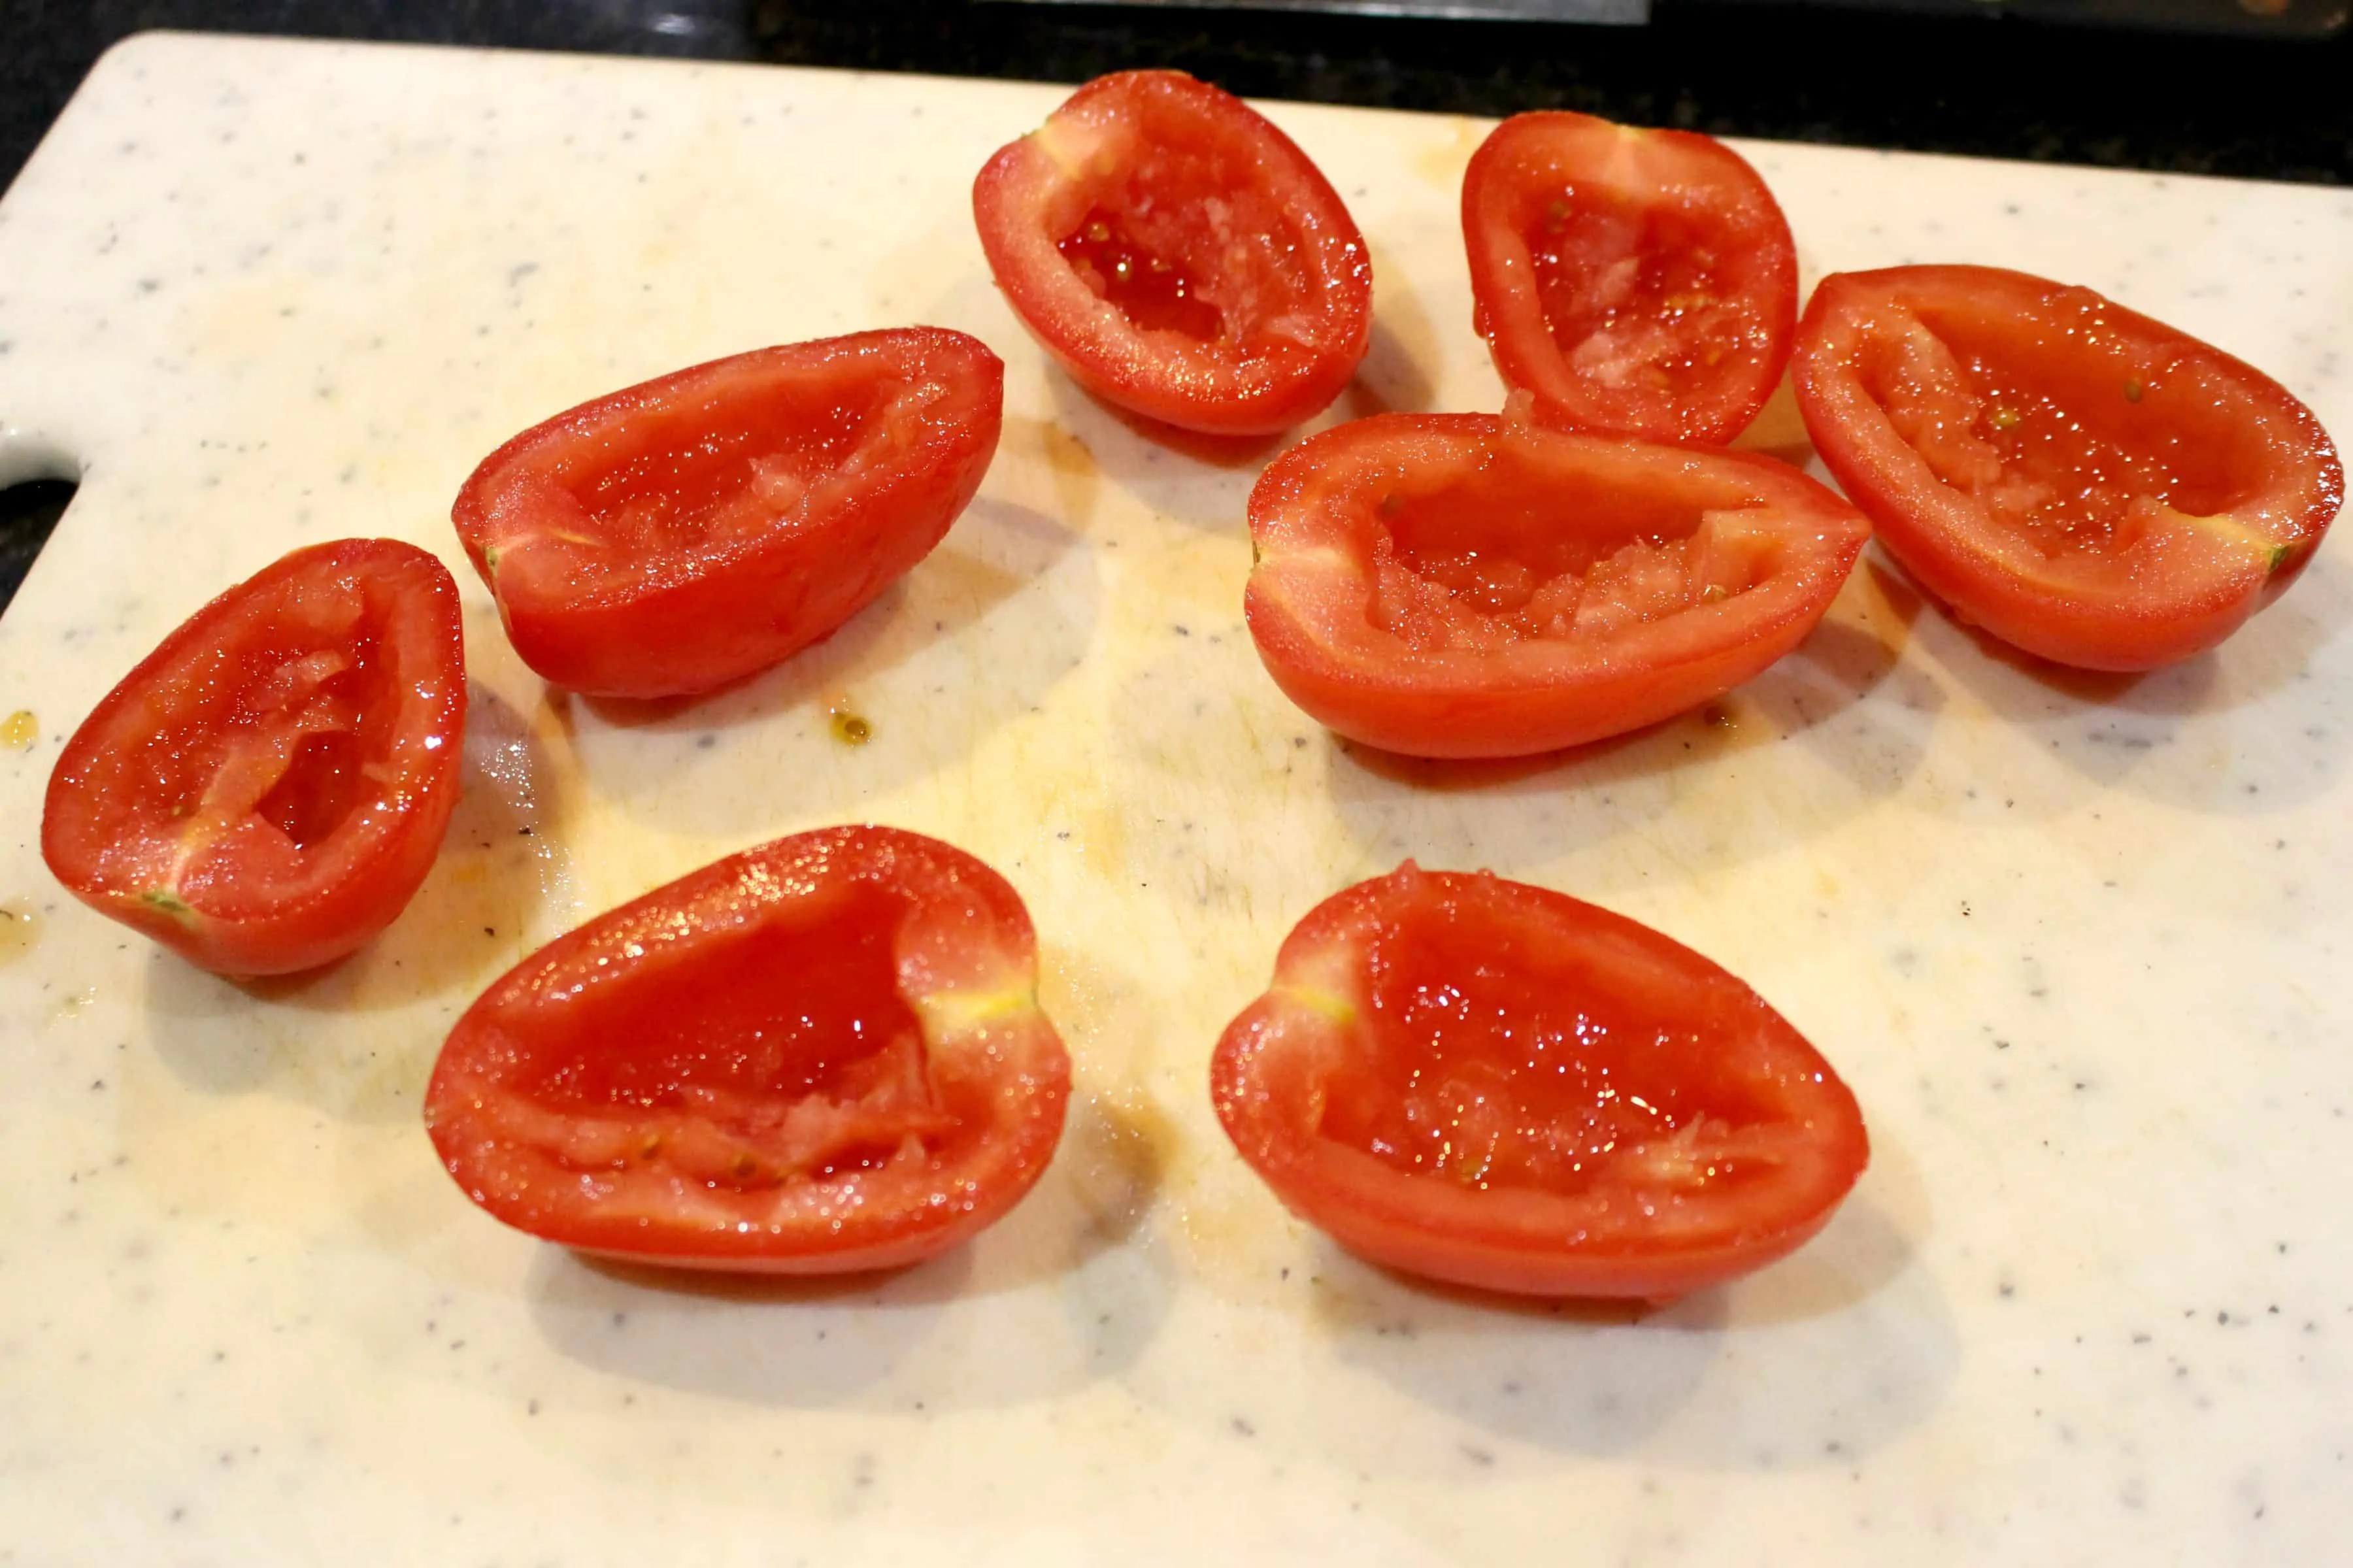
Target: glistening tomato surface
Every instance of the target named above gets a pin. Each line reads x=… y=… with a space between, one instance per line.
x=682 y=533
x=2081 y=481
x=267 y=789
x=821 y=1056
x=1178 y=256
x=1637 y=282
x=1461 y=585
x=1494 y=1084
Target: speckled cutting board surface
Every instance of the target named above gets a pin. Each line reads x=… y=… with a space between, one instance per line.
x=2080 y=946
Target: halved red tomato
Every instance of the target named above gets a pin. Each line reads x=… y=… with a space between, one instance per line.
x=1637 y=282
x=821 y=1056
x=1494 y=1084
x=267 y=789
x=1180 y=255
x=2081 y=481
x=1461 y=586
x=692 y=530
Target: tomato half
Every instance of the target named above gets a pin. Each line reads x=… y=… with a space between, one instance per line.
x=688 y=532
x=2081 y=481
x=1180 y=255
x=821 y=1056
x=1461 y=586
x=1494 y=1084
x=1638 y=281
x=267 y=789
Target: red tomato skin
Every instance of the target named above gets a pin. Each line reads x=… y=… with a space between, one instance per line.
x=676 y=938
x=1035 y=192
x=1315 y=523
x=109 y=831
x=2286 y=475
x=1278 y=1061
x=595 y=611
x=1586 y=168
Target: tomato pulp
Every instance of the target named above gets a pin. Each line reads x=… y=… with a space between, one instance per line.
x=2084 y=482
x=267 y=789
x=1461 y=586
x=1494 y=1084
x=1178 y=256
x=818 y=1057
x=1637 y=282
x=688 y=532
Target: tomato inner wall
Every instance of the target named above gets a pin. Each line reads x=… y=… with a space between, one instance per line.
x=1195 y=201
x=1636 y=296
x=1154 y=292
x=1484 y=1059
x=2072 y=451
x=677 y=481
x=1510 y=551
x=318 y=789
x=805 y=1008
x=278 y=727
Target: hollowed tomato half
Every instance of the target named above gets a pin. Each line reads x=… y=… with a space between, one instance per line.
x=1461 y=586
x=818 y=1057
x=1637 y=282
x=692 y=530
x=1493 y=1084
x=1178 y=256
x=264 y=793
x=2081 y=481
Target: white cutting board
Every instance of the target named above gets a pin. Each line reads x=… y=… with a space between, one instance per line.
x=2080 y=946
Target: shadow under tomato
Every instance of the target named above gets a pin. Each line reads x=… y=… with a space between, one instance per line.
x=1843 y=700
x=1390 y=380
x=1779 y=431
x=977 y=634
x=1825 y=1356
x=223 y=1038
x=2229 y=732
x=1201 y=482
x=771 y=1341
x=966 y=1329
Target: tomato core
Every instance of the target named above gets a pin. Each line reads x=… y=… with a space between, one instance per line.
x=1483 y=1063
x=1632 y=294
x=1151 y=290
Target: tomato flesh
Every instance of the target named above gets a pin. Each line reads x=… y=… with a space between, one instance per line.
x=1178 y=256
x=1465 y=586
x=1148 y=288
x=1494 y=1084
x=694 y=530
x=264 y=793
x=1637 y=282
x=2085 y=483
x=818 y=1057
x=1500 y=1075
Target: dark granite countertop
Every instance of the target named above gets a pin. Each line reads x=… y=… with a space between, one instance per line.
x=2000 y=78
